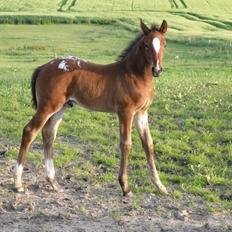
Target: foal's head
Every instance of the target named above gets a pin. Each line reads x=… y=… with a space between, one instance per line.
x=154 y=43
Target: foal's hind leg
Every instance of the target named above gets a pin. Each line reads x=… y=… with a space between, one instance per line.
x=49 y=135
x=141 y=121
x=29 y=133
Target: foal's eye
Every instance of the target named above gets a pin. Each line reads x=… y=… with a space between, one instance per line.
x=146 y=47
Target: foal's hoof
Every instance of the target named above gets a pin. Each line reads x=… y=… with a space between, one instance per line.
x=57 y=188
x=128 y=194
x=163 y=189
x=54 y=185
x=18 y=186
x=19 y=189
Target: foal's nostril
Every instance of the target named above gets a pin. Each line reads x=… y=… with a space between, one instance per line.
x=153 y=69
x=155 y=72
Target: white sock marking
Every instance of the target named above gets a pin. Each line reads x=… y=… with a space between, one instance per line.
x=142 y=121
x=18 y=170
x=49 y=168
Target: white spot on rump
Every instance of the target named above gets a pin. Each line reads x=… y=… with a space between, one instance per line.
x=156 y=44
x=79 y=63
x=49 y=168
x=62 y=66
x=18 y=170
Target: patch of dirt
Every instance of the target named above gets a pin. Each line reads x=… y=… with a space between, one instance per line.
x=92 y=207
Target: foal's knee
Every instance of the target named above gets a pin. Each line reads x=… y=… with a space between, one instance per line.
x=122 y=179
x=125 y=146
x=147 y=146
x=48 y=136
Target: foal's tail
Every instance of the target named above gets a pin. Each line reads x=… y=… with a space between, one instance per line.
x=33 y=82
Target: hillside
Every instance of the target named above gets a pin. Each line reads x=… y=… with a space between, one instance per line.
x=114 y=5
x=186 y=17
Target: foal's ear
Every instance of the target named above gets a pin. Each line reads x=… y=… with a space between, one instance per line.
x=144 y=28
x=163 y=27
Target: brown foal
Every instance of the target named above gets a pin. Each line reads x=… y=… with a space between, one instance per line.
x=124 y=87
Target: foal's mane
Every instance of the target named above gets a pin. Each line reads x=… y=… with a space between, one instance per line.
x=130 y=47
x=132 y=44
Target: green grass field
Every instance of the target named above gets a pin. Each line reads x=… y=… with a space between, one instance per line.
x=186 y=17
x=190 y=118
x=105 y=5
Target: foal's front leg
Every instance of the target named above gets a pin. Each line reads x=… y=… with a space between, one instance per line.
x=125 y=124
x=141 y=121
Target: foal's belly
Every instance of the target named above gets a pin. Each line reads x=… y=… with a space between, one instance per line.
x=94 y=104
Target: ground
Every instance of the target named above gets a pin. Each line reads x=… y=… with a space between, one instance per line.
x=88 y=207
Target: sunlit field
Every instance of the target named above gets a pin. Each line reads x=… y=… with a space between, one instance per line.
x=190 y=118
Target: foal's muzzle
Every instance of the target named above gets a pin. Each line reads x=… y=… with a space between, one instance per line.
x=156 y=72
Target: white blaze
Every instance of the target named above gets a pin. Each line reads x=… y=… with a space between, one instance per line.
x=49 y=168
x=157 y=65
x=156 y=44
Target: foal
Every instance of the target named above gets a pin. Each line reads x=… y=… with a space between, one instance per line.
x=124 y=87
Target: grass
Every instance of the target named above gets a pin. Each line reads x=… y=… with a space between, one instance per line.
x=190 y=118
x=189 y=18
x=112 y=5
